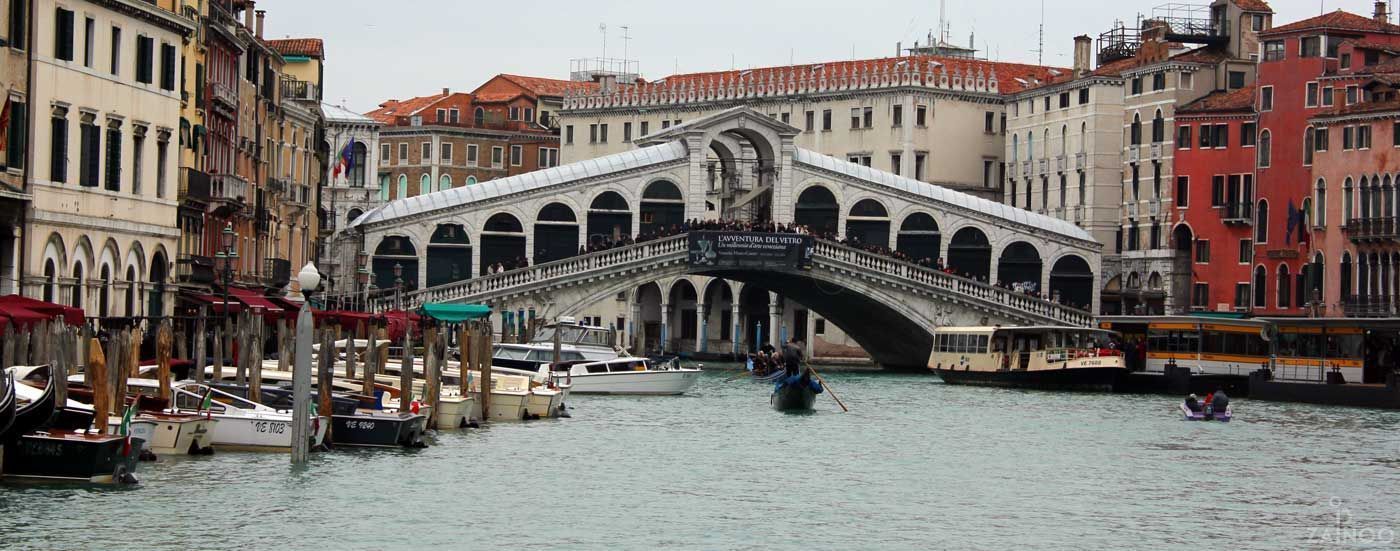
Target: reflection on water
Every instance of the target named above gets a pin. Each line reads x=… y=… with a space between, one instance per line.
x=915 y=464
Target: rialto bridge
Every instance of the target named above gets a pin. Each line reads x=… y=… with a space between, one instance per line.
x=734 y=165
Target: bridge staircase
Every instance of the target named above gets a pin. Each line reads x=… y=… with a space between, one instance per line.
x=667 y=257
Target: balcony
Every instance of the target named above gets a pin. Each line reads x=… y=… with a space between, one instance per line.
x=1081 y=161
x=1372 y=230
x=1154 y=207
x=277 y=273
x=194 y=269
x=1044 y=166
x=300 y=90
x=1061 y=162
x=1156 y=151
x=1369 y=306
x=1134 y=153
x=1132 y=208
x=1079 y=214
x=1241 y=214
x=194 y=185
x=262 y=220
x=224 y=94
x=228 y=194
x=1026 y=169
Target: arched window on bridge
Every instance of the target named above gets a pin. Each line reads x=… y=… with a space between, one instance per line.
x=353 y=215
x=1072 y=282
x=556 y=233
x=816 y=209
x=1020 y=264
x=919 y=237
x=662 y=207
x=609 y=218
x=395 y=250
x=970 y=253
x=868 y=223
x=502 y=242
x=449 y=255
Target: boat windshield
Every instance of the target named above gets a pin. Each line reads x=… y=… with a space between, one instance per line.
x=630 y=365
x=511 y=353
x=573 y=334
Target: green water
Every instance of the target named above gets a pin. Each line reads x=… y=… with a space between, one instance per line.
x=915 y=465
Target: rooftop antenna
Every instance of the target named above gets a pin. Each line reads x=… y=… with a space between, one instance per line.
x=1040 y=41
x=625 y=39
x=942 y=23
x=603 y=29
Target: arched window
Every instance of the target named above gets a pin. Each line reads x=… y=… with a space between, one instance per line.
x=1030 y=146
x=384 y=188
x=1363 y=192
x=1261 y=223
x=1308 y=146
x=1064 y=139
x=104 y=294
x=78 y=283
x=131 y=283
x=1015 y=149
x=1285 y=287
x=425 y=184
x=1346 y=201
x=1320 y=217
x=1135 y=131
x=403 y=186
x=471 y=180
x=445 y=182
x=1159 y=126
x=479 y=117
x=1045 y=144
x=1265 y=149
x=1259 y=287
x=1376 y=205
x=354 y=214
x=50 y=277
x=1083 y=136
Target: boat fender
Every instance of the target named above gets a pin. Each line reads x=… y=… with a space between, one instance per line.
x=123 y=476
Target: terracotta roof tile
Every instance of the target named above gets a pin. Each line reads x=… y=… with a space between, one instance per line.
x=1221 y=101
x=309 y=47
x=1007 y=73
x=496 y=98
x=1254 y=5
x=1337 y=20
x=392 y=109
x=1360 y=108
x=548 y=86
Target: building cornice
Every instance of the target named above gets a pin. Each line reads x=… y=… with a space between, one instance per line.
x=433 y=130
x=149 y=13
x=1075 y=84
x=837 y=95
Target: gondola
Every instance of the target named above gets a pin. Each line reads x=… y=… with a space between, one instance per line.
x=795 y=393
x=38 y=413
x=7 y=404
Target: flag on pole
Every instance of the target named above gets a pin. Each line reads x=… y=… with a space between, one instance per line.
x=208 y=405
x=125 y=429
x=346 y=161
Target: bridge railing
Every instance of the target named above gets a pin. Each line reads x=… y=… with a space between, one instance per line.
x=960 y=285
x=505 y=281
x=651 y=251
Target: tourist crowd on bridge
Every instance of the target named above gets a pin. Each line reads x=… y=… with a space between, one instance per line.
x=664 y=231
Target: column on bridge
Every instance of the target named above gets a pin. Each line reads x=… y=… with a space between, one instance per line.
x=637 y=327
x=775 y=317
x=701 y=328
x=664 y=342
x=736 y=333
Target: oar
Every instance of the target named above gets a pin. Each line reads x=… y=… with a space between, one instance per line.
x=827 y=387
x=739 y=376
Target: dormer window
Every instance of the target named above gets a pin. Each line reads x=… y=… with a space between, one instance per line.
x=1372 y=58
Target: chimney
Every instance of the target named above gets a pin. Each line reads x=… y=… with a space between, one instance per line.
x=248 y=14
x=1083 y=48
x=1381 y=14
x=446 y=91
x=261 y=15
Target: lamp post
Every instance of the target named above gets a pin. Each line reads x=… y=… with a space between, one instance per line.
x=226 y=259
x=361 y=273
x=398 y=286
x=309 y=278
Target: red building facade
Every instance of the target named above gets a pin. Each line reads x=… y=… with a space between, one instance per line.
x=1214 y=168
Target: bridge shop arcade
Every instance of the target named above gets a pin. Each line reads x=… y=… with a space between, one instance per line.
x=592 y=240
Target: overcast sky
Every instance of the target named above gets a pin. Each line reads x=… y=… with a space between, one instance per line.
x=378 y=50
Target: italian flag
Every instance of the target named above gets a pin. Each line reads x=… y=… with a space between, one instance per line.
x=126 y=427
x=208 y=405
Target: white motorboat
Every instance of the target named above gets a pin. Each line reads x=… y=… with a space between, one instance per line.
x=245 y=425
x=576 y=343
x=176 y=432
x=626 y=375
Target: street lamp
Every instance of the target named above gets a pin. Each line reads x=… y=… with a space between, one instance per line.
x=361 y=272
x=398 y=286
x=225 y=260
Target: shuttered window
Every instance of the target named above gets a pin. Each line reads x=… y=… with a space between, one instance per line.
x=167 y=67
x=145 y=52
x=63 y=35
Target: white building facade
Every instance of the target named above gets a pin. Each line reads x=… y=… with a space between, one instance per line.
x=106 y=96
x=347 y=193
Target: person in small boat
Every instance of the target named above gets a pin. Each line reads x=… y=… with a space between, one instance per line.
x=1192 y=404
x=792 y=356
x=1220 y=401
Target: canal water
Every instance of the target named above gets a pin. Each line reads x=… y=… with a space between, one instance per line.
x=915 y=464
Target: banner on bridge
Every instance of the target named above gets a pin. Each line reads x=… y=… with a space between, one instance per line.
x=752 y=251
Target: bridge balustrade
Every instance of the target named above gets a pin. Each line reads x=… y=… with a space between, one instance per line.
x=675 y=248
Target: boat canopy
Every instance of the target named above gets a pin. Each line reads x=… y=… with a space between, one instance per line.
x=456 y=313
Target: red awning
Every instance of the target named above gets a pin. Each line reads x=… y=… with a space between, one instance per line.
x=215 y=304
x=21 y=316
x=254 y=300
x=71 y=315
x=288 y=307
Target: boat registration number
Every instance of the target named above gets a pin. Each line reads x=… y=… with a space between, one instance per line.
x=270 y=427
x=367 y=425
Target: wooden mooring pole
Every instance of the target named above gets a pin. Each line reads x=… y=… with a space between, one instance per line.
x=101 y=390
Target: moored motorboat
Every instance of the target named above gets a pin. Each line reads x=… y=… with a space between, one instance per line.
x=176 y=433
x=1206 y=414
x=379 y=429
x=245 y=425
x=72 y=456
x=625 y=375
x=1048 y=358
